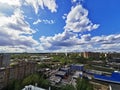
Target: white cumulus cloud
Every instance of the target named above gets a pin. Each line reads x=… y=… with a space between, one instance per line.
x=15 y=31
x=11 y=2
x=45 y=21
x=78 y=21
x=36 y=22
x=16 y=34
x=36 y=4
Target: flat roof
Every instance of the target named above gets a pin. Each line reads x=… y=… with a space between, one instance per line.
x=32 y=88
x=114 y=78
x=77 y=74
x=67 y=68
x=77 y=64
x=61 y=73
x=55 y=79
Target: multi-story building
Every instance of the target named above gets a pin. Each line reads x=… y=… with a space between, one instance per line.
x=1 y=60
x=2 y=77
x=16 y=72
x=94 y=55
x=4 y=60
x=113 y=55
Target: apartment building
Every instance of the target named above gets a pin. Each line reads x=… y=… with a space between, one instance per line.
x=113 y=55
x=16 y=72
x=2 y=77
x=4 y=59
x=94 y=55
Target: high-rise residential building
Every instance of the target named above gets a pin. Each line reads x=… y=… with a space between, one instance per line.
x=4 y=59
x=95 y=55
x=0 y=60
x=16 y=72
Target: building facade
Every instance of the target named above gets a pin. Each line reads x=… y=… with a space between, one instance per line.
x=4 y=59
x=16 y=72
x=94 y=55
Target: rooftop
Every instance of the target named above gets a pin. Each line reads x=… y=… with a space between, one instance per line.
x=77 y=64
x=66 y=69
x=61 y=73
x=55 y=79
x=114 y=78
x=31 y=87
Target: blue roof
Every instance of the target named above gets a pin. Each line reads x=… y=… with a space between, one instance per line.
x=77 y=67
x=114 y=78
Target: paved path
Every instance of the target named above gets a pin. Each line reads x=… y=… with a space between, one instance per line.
x=115 y=86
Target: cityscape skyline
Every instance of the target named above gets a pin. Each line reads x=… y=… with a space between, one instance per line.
x=59 y=26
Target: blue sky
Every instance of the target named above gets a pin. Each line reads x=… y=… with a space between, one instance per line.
x=59 y=26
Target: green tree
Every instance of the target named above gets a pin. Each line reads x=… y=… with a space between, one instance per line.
x=68 y=87
x=10 y=86
x=17 y=85
x=89 y=87
x=83 y=84
x=13 y=85
x=44 y=83
x=36 y=78
x=32 y=79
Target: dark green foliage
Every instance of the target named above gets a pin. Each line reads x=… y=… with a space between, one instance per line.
x=83 y=84
x=32 y=79
x=68 y=87
x=29 y=80
x=36 y=78
x=13 y=85
x=20 y=56
x=17 y=85
x=43 y=65
x=55 y=88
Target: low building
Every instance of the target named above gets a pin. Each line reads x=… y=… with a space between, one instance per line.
x=92 y=72
x=77 y=67
x=114 y=60
x=61 y=74
x=67 y=70
x=77 y=74
x=114 y=78
x=55 y=79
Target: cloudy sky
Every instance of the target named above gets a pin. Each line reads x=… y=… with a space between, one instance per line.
x=59 y=25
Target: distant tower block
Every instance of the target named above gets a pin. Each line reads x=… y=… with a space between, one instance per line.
x=4 y=59
x=66 y=54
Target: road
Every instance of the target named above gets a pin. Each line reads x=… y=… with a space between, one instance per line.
x=115 y=86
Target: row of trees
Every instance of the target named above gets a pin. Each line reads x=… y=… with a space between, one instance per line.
x=82 y=84
x=71 y=58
